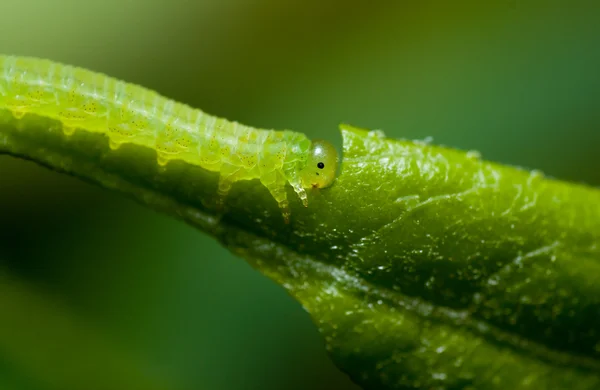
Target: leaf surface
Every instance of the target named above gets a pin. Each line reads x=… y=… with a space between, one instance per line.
x=423 y=267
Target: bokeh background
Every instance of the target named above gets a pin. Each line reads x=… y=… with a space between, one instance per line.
x=97 y=292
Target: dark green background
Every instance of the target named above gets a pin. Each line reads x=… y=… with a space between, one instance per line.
x=518 y=81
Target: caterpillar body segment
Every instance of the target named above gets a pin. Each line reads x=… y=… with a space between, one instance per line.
x=88 y=101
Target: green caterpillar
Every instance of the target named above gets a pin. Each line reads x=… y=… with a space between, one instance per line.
x=126 y=113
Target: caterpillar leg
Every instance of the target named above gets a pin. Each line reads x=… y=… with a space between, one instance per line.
x=18 y=114
x=68 y=130
x=296 y=184
x=301 y=192
x=228 y=175
x=275 y=183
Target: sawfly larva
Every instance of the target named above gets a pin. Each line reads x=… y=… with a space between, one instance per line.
x=127 y=113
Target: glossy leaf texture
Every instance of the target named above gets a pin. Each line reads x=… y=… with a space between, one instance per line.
x=423 y=267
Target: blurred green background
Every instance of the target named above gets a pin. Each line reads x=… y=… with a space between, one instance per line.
x=96 y=292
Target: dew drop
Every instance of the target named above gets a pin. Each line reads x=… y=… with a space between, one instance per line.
x=525 y=299
x=376 y=133
x=473 y=155
x=430 y=282
x=536 y=174
x=493 y=281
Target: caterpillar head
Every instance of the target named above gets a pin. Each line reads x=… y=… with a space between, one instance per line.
x=321 y=166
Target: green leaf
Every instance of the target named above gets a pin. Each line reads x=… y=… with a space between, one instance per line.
x=423 y=267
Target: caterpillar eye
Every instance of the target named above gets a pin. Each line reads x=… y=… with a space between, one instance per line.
x=320 y=165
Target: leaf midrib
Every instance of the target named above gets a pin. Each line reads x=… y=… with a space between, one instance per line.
x=440 y=314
